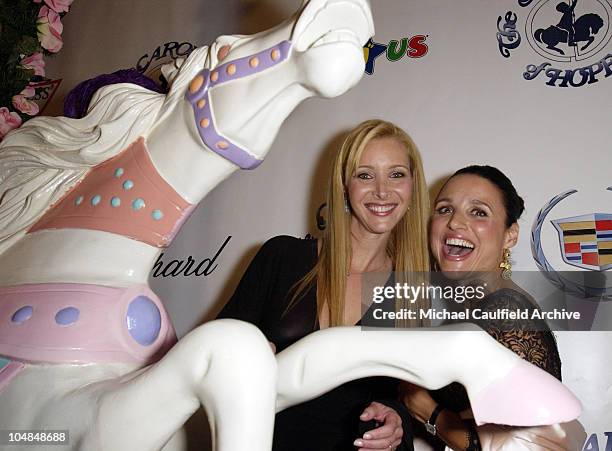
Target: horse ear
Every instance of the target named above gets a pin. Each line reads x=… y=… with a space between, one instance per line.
x=170 y=70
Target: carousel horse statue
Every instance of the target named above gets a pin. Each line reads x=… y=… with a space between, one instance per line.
x=87 y=205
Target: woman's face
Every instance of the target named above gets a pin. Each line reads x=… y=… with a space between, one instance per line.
x=468 y=228
x=380 y=190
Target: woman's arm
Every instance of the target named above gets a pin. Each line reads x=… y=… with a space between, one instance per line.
x=527 y=338
x=458 y=434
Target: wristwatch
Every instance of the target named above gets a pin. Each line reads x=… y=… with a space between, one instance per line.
x=430 y=426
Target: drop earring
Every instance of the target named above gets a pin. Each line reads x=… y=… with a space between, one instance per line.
x=347 y=210
x=506 y=266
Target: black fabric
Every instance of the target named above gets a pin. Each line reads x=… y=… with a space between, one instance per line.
x=331 y=421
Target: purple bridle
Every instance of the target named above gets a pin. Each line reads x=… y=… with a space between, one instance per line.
x=197 y=96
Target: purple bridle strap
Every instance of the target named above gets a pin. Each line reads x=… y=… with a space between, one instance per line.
x=197 y=95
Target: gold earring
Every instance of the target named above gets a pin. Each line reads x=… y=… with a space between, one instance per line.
x=506 y=266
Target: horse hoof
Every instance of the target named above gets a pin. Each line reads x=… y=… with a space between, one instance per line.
x=526 y=396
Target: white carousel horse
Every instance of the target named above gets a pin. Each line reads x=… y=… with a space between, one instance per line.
x=85 y=208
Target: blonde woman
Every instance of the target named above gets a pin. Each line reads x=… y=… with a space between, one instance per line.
x=378 y=210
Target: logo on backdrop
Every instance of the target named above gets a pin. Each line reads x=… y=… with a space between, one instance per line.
x=593 y=444
x=151 y=64
x=395 y=50
x=413 y=47
x=44 y=92
x=585 y=241
x=572 y=37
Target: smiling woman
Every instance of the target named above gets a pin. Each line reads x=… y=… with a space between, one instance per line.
x=473 y=227
x=380 y=191
x=377 y=223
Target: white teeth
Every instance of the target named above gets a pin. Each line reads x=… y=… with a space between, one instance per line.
x=459 y=242
x=381 y=208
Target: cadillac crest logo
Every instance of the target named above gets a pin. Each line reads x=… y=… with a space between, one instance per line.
x=585 y=241
x=573 y=37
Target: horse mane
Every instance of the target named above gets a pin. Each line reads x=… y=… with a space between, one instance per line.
x=43 y=159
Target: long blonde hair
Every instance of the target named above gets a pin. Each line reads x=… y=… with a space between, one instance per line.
x=407 y=245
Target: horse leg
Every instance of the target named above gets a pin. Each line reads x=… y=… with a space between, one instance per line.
x=226 y=365
x=552 y=47
x=590 y=41
x=496 y=379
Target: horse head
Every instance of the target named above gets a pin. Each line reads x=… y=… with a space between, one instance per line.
x=246 y=86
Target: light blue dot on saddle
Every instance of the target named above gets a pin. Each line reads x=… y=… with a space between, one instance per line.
x=138 y=204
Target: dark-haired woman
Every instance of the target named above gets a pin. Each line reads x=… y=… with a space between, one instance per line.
x=473 y=227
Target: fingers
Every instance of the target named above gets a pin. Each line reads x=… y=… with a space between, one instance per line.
x=389 y=441
x=387 y=436
x=375 y=411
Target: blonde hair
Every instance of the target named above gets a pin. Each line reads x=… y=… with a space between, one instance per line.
x=407 y=244
x=42 y=160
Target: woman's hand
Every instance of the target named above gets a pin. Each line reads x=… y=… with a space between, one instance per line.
x=388 y=436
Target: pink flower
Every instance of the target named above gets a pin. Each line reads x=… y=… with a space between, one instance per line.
x=59 y=6
x=21 y=102
x=35 y=61
x=8 y=121
x=49 y=29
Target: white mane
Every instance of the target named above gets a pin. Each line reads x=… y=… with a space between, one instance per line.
x=44 y=158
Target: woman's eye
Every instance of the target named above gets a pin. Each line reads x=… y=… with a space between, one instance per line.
x=397 y=174
x=364 y=176
x=479 y=212
x=443 y=210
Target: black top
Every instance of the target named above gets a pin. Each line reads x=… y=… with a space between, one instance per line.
x=331 y=421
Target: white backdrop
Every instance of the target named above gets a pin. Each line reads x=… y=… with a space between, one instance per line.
x=462 y=103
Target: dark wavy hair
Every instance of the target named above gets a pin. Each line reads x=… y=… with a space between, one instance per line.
x=513 y=203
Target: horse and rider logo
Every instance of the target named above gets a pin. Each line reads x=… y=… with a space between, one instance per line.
x=565 y=32
x=573 y=36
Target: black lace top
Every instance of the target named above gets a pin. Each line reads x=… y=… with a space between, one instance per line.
x=531 y=339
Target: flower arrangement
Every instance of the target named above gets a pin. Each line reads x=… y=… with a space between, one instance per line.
x=29 y=30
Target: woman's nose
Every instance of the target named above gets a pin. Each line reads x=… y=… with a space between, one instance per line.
x=381 y=188
x=456 y=221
